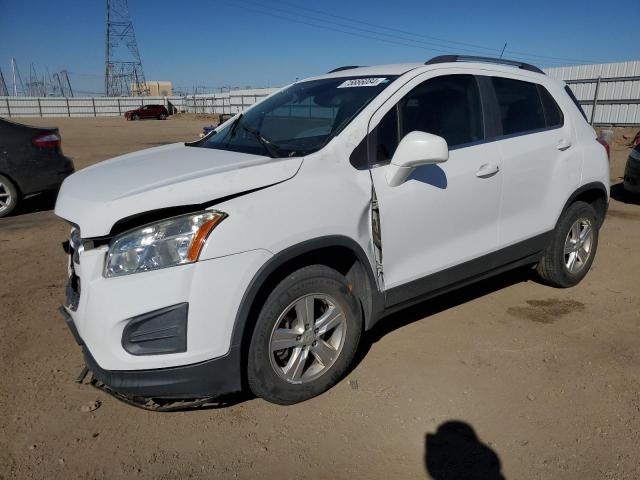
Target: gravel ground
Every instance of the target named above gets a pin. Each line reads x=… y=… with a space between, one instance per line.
x=507 y=377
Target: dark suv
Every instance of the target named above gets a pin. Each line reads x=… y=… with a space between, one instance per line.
x=147 y=111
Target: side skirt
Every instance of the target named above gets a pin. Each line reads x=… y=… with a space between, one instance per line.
x=520 y=254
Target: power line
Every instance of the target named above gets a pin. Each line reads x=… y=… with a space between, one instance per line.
x=370 y=37
x=439 y=39
x=416 y=44
x=317 y=19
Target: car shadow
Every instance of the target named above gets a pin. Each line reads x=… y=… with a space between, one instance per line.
x=621 y=195
x=432 y=175
x=436 y=305
x=455 y=452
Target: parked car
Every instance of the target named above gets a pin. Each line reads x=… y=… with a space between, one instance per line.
x=260 y=257
x=147 y=111
x=31 y=163
x=632 y=171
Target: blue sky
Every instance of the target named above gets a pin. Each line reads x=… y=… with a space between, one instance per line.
x=248 y=42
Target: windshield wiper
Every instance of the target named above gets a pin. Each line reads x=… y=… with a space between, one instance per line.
x=232 y=130
x=269 y=147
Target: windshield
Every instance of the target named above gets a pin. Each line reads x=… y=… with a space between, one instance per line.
x=300 y=119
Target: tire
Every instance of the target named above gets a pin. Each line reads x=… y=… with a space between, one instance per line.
x=560 y=267
x=135 y=116
x=290 y=375
x=8 y=196
x=162 y=116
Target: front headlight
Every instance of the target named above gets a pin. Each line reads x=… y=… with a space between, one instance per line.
x=175 y=241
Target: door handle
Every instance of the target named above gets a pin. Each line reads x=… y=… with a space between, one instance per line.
x=487 y=170
x=563 y=144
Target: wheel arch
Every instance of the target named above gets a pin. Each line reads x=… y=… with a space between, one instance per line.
x=336 y=251
x=593 y=193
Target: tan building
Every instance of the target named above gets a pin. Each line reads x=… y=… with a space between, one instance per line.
x=156 y=88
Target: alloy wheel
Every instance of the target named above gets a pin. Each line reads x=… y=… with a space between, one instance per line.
x=577 y=245
x=6 y=200
x=307 y=338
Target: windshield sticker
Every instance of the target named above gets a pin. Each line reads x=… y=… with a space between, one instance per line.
x=362 y=82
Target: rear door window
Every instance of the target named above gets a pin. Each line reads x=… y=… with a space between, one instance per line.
x=520 y=106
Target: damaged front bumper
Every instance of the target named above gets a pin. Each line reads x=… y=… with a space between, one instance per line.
x=200 y=382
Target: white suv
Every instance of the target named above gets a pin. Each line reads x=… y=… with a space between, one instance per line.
x=256 y=256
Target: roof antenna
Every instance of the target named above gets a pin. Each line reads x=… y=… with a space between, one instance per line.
x=502 y=52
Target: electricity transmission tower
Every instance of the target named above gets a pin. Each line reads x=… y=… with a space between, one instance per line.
x=61 y=84
x=123 y=73
x=17 y=79
x=4 y=92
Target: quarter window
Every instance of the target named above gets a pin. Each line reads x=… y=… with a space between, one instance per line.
x=552 y=113
x=520 y=105
x=448 y=106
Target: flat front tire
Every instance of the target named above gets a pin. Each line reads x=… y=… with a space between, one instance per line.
x=569 y=255
x=306 y=336
x=8 y=196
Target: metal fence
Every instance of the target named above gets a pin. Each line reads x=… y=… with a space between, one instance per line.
x=609 y=93
x=223 y=103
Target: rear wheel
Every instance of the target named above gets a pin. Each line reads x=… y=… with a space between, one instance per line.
x=570 y=254
x=305 y=338
x=162 y=116
x=8 y=196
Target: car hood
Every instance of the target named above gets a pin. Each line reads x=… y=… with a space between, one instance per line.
x=168 y=176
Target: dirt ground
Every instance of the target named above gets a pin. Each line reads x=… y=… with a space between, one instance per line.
x=505 y=376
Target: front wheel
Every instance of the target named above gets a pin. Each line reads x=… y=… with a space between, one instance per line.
x=306 y=336
x=135 y=116
x=569 y=255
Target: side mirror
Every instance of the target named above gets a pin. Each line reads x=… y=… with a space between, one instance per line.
x=415 y=149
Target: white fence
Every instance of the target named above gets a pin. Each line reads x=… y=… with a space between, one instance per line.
x=609 y=92
x=225 y=103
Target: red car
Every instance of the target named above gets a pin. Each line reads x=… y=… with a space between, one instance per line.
x=147 y=111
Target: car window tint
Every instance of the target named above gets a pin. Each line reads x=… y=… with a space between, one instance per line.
x=448 y=106
x=386 y=136
x=520 y=105
x=552 y=113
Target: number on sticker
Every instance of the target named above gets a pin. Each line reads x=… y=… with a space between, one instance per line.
x=362 y=82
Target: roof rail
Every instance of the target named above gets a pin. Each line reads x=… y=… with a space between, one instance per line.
x=471 y=58
x=346 y=67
